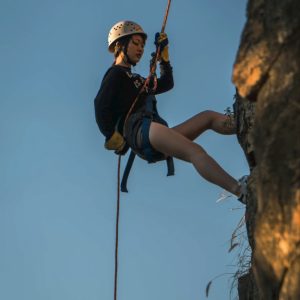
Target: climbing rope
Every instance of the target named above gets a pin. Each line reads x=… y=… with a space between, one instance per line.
x=152 y=67
x=151 y=75
x=117 y=231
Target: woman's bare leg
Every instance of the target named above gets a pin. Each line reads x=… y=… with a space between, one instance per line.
x=203 y=121
x=172 y=143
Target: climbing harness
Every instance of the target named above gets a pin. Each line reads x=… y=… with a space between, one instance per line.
x=132 y=154
x=136 y=133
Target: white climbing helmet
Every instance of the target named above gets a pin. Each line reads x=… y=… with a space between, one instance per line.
x=123 y=28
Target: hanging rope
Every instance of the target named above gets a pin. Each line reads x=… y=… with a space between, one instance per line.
x=152 y=73
x=117 y=231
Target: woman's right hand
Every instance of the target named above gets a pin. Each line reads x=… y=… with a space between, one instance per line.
x=115 y=142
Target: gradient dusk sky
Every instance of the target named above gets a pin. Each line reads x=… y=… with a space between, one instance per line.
x=58 y=183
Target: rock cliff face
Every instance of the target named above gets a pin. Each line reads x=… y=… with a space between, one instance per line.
x=267 y=77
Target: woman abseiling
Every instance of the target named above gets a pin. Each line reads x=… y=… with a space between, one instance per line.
x=119 y=89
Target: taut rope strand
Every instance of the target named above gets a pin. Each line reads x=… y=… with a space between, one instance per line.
x=152 y=68
x=117 y=231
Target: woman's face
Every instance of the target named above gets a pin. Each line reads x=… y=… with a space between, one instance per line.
x=135 y=48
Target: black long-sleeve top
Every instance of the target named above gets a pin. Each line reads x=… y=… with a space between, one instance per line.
x=118 y=90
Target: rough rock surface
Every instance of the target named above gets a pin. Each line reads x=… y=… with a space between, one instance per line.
x=267 y=76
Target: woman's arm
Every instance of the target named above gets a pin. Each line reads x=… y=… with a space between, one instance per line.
x=165 y=82
x=104 y=102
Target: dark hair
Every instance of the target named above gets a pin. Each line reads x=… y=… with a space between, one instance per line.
x=123 y=43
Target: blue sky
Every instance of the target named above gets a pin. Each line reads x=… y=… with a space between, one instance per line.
x=58 y=183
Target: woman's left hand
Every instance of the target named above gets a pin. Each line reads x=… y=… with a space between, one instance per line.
x=161 y=40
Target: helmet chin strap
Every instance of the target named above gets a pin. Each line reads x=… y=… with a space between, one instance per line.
x=127 y=60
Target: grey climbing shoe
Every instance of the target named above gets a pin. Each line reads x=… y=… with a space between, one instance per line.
x=243 y=182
